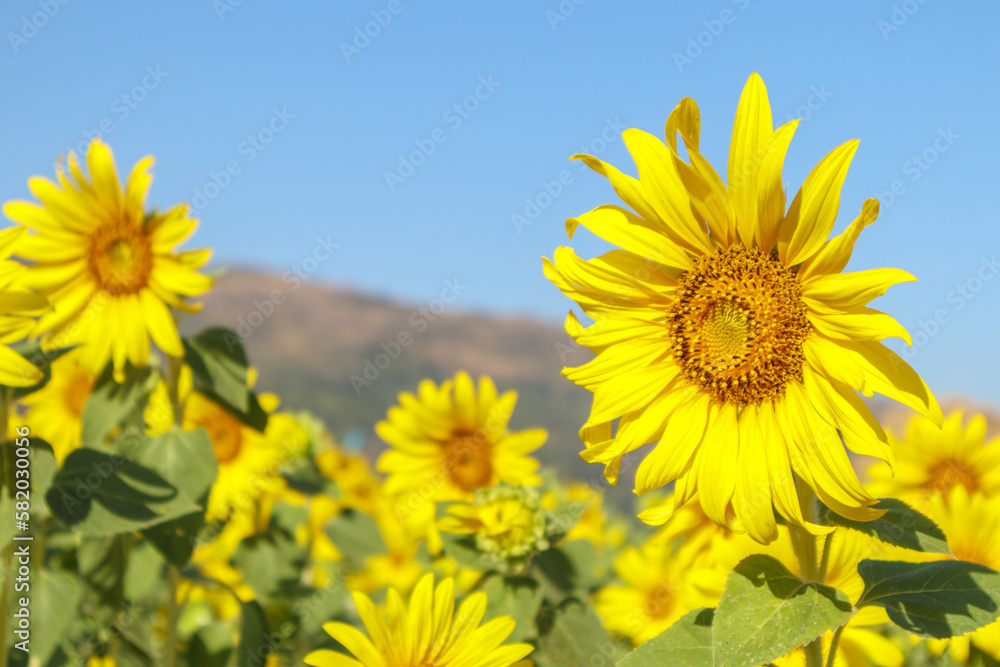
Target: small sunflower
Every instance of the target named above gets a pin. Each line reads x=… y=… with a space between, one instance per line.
x=447 y=441
x=56 y=410
x=932 y=460
x=428 y=633
x=726 y=331
x=107 y=266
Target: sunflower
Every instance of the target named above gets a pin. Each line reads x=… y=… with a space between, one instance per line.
x=726 y=332
x=447 y=441
x=507 y=522
x=108 y=268
x=931 y=461
x=428 y=633
x=56 y=410
x=659 y=585
x=18 y=308
x=398 y=568
x=249 y=460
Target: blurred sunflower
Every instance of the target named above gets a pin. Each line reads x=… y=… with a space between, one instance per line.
x=429 y=633
x=448 y=441
x=249 y=460
x=56 y=410
x=932 y=460
x=108 y=268
x=725 y=329
x=18 y=308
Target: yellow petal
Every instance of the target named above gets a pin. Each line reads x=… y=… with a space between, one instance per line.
x=837 y=251
x=630 y=232
x=751 y=133
x=771 y=187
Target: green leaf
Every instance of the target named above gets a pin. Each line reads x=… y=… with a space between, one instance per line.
x=462 y=549
x=901 y=526
x=219 y=361
x=766 y=611
x=941 y=599
x=42 y=360
x=176 y=539
x=54 y=600
x=103 y=565
x=686 y=643
x=211 y=646
x=270 y=564
x=183 y=458
x=110 y=403
x=517 y=597
x=254 y=646
x=573 y=634
x=356 y=535
x=101 y=494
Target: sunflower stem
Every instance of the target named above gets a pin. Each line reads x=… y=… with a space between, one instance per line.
x=173 y=613
x=804 y=544
x=833 y=646
x=174 y=365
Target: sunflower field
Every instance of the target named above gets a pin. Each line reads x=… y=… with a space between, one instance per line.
x=157 y=509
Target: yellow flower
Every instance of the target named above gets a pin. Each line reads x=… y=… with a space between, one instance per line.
x=108 y=268
x=18 y=307
x=56 y=411
x=508 y=523
x=249 y=460
x=444 y=446
x=398 y=568
x=359 y=488
x=106 y=661
x=725 y=329
x=661 y=584
x=429 y=633
x=930 y=461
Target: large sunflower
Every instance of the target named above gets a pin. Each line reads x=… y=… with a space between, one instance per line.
x=428 y=633
x=108 y=268
x=725 y=329
x=448 y=441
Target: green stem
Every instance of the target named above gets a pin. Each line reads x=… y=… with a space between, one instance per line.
x=833 y=645
x=804 y=544
x=173 y=612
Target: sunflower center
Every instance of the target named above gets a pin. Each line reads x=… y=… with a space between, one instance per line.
x=77 y=391
x=467 y=461
x=120 y=258
x=949 y=473
x=737 y=324
x=225 y=433
x=659 y=602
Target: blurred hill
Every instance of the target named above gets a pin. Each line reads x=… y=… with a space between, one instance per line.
x=314 y=343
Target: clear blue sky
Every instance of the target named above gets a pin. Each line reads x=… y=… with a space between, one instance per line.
x=896 y=75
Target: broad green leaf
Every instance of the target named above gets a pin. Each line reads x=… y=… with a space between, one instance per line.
x=944 y=598
x=517 y=597
x=177 y=538
x=901 y=526
x=110 y=403
x=101 y=494
x=211 y=646
x=270 y=564
x=254 y=646
x=686 y=643
x=356 y=535
x=144 y=572
x=766 y=611
x=42 y=360
x=103 y=564
x=573 y=634
x=54 y=599
x=219 y=361
x=184 y=458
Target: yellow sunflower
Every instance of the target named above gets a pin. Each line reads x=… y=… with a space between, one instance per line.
x=56 y=411
x=107 y=266
x=507 y=522
x=249 y=460
x=726 y=331
x=428 y=633
x=18 y=308
x=448 y=441
x=931 y=460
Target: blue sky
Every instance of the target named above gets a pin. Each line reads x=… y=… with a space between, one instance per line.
x=309 y=115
